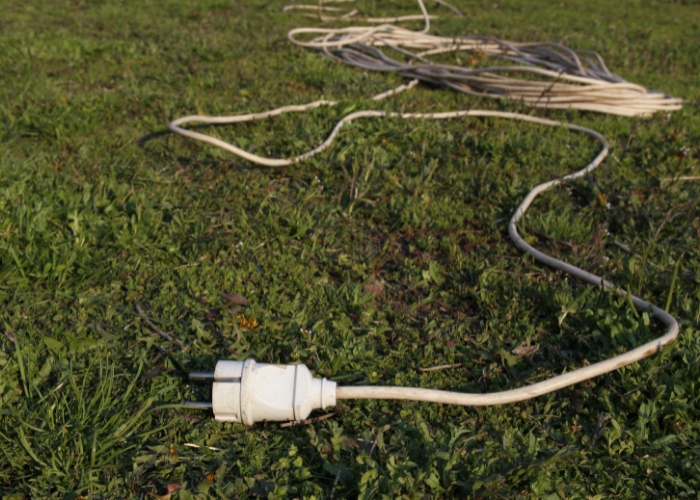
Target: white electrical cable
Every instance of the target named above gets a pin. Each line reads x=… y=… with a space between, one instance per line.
x=352 y=13
x=437 y=396
x=555 y=383
x=572 y=79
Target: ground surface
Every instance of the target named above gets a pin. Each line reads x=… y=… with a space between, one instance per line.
x=100 y=208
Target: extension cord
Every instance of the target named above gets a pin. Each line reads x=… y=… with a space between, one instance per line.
x=250 y=392
x=429 y=395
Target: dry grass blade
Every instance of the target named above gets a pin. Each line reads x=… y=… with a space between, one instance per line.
x=156 y=329
x=235 y=298
x=190 y=445
x=308 y=420
x=441 y=367
x=682 y=178
x=526 y=350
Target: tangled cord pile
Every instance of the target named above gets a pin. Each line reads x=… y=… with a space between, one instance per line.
x=347 y=42
x=562 y=78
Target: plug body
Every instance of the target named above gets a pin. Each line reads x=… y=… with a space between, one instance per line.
x=249 y=392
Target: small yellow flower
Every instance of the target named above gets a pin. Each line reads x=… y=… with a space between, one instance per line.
x=248 y=324
x=206 y=482
x=245 y=323
x=574 y=428
x=172 y=455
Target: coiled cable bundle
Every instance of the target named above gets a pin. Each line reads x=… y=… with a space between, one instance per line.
x=557 y=76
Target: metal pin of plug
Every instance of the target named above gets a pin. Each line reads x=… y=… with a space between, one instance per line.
x=196 y=405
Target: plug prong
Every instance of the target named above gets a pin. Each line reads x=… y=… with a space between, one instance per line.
x=201 y=376
x=196 y=405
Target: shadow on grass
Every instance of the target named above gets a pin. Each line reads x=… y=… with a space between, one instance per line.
x=243 y=166
x=152 y=136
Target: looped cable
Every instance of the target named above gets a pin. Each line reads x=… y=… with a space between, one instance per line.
x=553 y=75
x=581 y=80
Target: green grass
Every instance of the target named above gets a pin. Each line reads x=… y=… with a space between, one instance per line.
x=99 y=208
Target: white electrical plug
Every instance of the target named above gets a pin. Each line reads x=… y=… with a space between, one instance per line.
x=250 y=392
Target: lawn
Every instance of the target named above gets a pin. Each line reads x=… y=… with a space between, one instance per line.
x=384 y=255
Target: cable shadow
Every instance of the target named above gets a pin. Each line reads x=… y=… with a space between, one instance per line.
x=153 y=135
x=187 y=163
x=160 y=133
x=242 y=167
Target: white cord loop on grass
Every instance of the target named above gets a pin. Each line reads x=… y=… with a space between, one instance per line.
x=589 y=86
x=436 y=396
x=557 y=76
